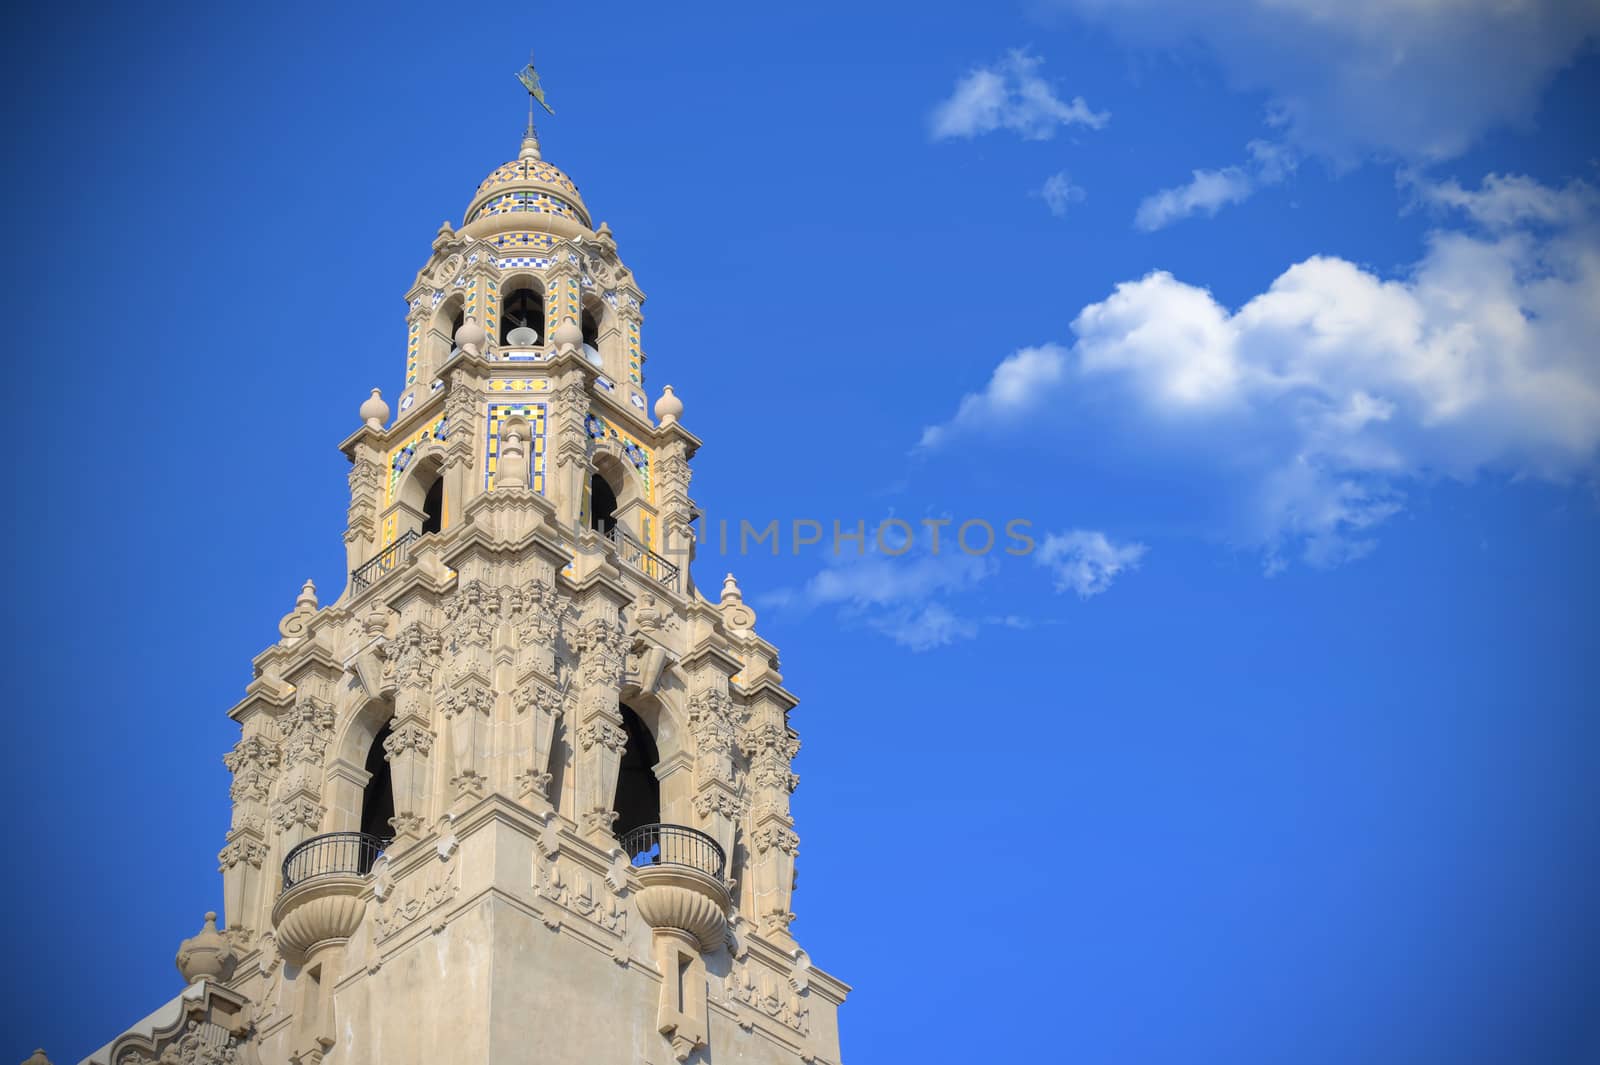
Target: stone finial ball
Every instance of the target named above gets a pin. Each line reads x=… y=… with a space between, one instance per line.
x=568 y=332
x=471 y=335
x=669 y=408
x=375 y=409
x=206 y=955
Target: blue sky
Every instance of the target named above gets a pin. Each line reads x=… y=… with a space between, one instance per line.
x=1277 y=321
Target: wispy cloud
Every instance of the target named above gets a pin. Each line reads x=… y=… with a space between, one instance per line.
x=929 y=599
x=1086 y=561
x=1208 y=191
x=1058 y=193
x=1414 y=80
x=1010 y=95
x=1317 y=401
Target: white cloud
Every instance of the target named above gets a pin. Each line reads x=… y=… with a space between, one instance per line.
x=1017 y=385
x=1412 y=79
x=1085 y=561
x=1321 y=397
x=926 y=627
x=1010 y=95
x=1059 y=192
x=1208 y=191
x=884 y=580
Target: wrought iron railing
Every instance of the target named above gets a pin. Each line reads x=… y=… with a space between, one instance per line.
x=631 y=552
x=674 y=845
x=383 y=563
x=331 y=854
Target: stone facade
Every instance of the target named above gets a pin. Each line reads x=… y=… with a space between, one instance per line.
x=519 y=663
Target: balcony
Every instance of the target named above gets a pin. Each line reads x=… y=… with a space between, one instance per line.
x=383 y=563
x=332 y=854
x=680 y=874
x=633 y=554
x=324 y=891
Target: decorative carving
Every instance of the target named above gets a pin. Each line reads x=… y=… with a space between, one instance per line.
x=297 y=623
x=769 y=994
x=537 y=697
x=301 y=810
x=241 y=851
x=577 y=889
x=772 y=835
x=306 y=730
x=468 y=613
x=427 y=889
x=536 y=612
x=716 y=801
x=612 y=737
x=711 y=721
x=415 y=653
x=466 y=699
x=251 y=762
x=411 y=736
x=603 y=644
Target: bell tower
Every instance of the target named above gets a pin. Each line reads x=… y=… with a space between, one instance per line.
x=520 y=791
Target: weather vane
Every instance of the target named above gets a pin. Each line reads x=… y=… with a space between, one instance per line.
x=530 y=81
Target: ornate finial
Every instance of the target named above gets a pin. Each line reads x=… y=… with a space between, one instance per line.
x=375 y=411
x=37 y=1058
x=297 y=622
x=669 y=408
x=207 y=954
x=530 y=81
x=471 y=337
x=739 y=618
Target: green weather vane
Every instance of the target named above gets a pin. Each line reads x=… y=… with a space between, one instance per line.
x=530 y=81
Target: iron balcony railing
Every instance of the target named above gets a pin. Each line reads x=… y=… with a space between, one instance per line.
x=674 y=845
x=331 y=854
x=631 y=552
x=383 y=563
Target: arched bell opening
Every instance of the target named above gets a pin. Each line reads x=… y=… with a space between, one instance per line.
x=638 y=798
x=433 y=507
x=446 y=321
x=377 y=798
x=521 y=313
x=423 y=493
x=602 y=504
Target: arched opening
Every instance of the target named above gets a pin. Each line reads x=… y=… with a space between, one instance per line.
x=602 y=504
x=522 y=317
x=638 y=800
x=433 y=506
x=442 y=333
x=377 y=798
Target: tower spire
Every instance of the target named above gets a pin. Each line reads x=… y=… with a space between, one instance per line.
x=530 y=81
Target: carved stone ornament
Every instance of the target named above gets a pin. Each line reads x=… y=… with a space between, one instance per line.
x=411 y=736
x=610 y=736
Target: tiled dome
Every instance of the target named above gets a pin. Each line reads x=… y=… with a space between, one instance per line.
x=528 y=186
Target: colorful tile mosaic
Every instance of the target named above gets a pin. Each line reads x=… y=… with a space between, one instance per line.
x=519 y=384
x=400 y=457
x=499 y=414
x=413 y=350
x=635 y=354
x=540 y=241
x=534 y=202
x=523 y=260
x=520 y=170
x=638 y=454
x=637 y=399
